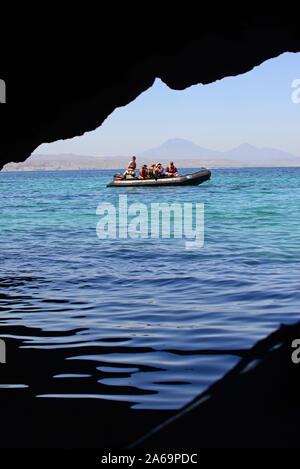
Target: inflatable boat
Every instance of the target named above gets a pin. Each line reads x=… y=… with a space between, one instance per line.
x=185 y=180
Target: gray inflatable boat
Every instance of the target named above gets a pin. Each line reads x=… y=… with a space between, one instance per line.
x=185 y=180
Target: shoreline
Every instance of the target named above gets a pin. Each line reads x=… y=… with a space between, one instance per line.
x=123 y=169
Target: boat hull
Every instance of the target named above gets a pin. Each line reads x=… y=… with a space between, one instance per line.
x=186 y=180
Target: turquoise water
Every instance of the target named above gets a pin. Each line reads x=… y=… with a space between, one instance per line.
x=146 y=317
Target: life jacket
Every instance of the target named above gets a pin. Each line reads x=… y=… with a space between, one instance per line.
x=172 y=169
x=160 y=170
x=151 y=167
x=133 y=165
x=143 y=172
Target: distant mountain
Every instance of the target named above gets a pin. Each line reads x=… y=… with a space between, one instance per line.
x=185 y=154
x=58 y=162
x=249 y=154
x=245 y=153
x=66 y=162
x=178 y=148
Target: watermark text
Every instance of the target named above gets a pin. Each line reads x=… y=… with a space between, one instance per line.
x=296 y=353
x=295 y=96
x=2 y=91
x=153 y=221
x=2 y=351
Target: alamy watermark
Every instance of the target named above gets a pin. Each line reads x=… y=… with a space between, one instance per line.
x=295 y=96
x=152 y=221
x=2 y=91
x=296 y=353
x=2 y=351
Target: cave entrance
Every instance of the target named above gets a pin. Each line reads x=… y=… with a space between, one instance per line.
x=150 y=322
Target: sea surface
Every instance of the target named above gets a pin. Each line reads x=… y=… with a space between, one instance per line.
x=146 y=320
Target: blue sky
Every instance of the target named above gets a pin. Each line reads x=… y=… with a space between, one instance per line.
x=255 y=107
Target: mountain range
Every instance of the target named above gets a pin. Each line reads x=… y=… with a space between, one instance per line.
x=185 y=154
x=179 y=148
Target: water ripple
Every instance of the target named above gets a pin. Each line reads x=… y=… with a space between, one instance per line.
x=145 y=321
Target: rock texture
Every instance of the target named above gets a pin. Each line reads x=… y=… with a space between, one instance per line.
x=255 y=405
x=66 y=80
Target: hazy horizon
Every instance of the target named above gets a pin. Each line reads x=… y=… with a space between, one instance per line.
x=185 y=153
x=240 y=144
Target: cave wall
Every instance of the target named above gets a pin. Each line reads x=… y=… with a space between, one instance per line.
x=59 y=86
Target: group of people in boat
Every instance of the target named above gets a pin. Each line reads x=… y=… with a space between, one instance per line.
x=154 y=171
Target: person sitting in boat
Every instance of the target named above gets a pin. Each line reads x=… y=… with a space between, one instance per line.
x=151 y=171
x=172 y=170
x=143 y=174
x=159 y=170
x=130 y=171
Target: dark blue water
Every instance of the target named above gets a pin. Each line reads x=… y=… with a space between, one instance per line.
x=147 y=316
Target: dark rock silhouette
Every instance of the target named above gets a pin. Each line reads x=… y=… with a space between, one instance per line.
x=68 y=85
x=255 y=405
x=74 y=80
x=33 y=422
